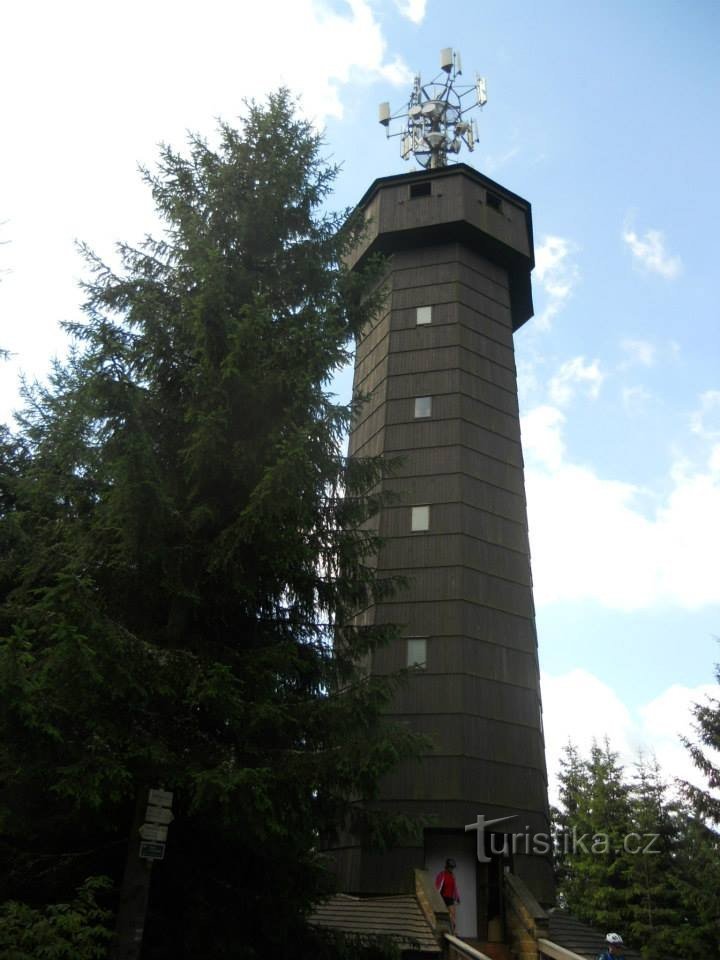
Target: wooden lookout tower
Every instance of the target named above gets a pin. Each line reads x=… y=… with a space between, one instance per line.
x=438 y=367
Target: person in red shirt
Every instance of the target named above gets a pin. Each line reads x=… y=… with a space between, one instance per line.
x=447 y=887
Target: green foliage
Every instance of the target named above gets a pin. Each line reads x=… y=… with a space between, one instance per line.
x=183 y=549
x=590 y=832
x=654 y=910
x=707 y=726
x=644 y=865
x=78 y=930
x=696 y=878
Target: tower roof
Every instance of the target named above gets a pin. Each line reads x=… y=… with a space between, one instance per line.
x=454 y=204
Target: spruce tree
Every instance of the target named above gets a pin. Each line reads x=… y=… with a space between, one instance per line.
x=570 y=821
x=183 y=549
x=696 y=878
x=699 y=859
x=656 y=878
x=595 y=820
x=707 y=726
x=654 y=905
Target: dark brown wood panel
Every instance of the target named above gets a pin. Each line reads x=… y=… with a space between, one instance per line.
x=439 y=618
x=447 y=253
x=374 y=380
x=459 y=332
x=456 y=583
x=466 y=582
x=475 y=781
x=439 y=383
x=461 y=458
x=459 y=488
x=439 y=434
x=451 y=549
x=437 y=275
x=477 y=733
x=424 y=360
x=453 y=405
x=448 y=518
x=462 y=654
x=455 y=291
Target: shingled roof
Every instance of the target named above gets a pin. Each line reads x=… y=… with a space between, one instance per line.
x=398 y=917
x=568 y=932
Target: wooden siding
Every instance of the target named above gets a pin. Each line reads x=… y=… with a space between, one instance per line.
x=468 y=584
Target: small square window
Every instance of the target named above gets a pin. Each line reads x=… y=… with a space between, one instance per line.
x=493 y=201
x=423 y=406
x=420 y=519
x=424 y=315
x=423 y=189
x=417 y=652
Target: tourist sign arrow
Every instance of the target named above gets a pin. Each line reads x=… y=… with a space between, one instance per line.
x=155 y=814
x=161 y=798
x=153 y=831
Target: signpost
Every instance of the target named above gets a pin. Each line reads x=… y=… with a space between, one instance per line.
x=153 y=813
x=158 y=814
x=152 y=831
x=161 y=798
x=152 y=851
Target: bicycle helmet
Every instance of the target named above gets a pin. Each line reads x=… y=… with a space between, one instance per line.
x=614 y=938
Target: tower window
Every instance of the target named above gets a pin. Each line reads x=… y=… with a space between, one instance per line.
x=423 y=189
x=423 y=315
x=423 y=406
x=420 y=518
x=417 y=652
x=493 y=200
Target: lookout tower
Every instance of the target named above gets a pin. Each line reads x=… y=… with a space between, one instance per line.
x=438 y=366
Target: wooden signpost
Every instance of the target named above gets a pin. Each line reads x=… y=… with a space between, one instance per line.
x=153 y=814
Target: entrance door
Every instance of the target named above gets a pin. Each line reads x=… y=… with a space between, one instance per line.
x=439 y=845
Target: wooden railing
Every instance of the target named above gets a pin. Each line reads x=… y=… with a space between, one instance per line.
x=458 y=949
x=555 y=951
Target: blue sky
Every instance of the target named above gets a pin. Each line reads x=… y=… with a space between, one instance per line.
x=605 y=118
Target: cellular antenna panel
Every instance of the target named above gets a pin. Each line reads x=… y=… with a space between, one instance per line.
x=432 y=123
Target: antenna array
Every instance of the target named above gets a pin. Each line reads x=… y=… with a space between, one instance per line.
x=434 y=124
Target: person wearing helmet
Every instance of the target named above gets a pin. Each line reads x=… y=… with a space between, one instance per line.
x=614 y=949
x=447 y=887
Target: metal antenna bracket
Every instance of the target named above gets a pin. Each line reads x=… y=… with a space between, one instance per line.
x=433 y=125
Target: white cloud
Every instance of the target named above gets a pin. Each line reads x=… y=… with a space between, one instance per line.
x=528 y=381
x=571 y=373
x=578 y=706
x=542 y=439
x=101 y=117
x=557 y=275
x=649 y=251
x=635 y=399
x=714 y=460
x=598 y=712
x=591 y=540
x=640 y=352
x=669 y=717
x=207 y=65
x=413 y=10
x=705 y=421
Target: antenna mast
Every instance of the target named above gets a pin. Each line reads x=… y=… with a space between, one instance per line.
x=434 y=116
